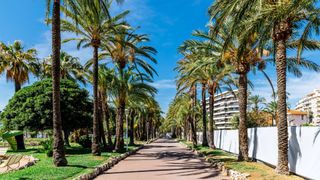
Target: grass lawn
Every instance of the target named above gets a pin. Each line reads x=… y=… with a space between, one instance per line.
x=80 y=161
x=255 y=169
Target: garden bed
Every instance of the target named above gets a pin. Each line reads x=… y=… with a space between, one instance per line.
x=80 y=161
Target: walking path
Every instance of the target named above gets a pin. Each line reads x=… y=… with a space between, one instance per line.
x=162 y=160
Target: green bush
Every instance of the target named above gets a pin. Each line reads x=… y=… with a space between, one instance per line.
x=47 y=146
x=85 y=141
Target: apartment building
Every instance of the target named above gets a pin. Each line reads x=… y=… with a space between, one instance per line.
x=311 y=105
x=225 y=107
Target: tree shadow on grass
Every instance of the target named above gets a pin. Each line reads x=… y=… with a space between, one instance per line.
x=33 y=150
x=79 y=166
x=77 y=150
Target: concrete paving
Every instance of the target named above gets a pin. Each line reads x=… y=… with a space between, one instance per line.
x=162 y=160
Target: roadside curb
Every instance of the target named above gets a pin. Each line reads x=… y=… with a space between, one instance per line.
x=110 y=163
x=235 y=175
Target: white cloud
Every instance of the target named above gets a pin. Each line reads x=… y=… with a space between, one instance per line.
x=164 y=84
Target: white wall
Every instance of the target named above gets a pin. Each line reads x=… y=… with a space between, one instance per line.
x=304 y=147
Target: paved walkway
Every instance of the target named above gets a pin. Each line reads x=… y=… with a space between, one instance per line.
x=162 y=160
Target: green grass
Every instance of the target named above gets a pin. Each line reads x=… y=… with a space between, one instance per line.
x=256 y=170
x=80 y=161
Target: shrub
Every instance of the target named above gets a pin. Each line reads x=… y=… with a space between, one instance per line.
x=85 y=141
x=47 y=146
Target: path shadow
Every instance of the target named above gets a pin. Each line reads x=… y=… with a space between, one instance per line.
x=169 y=158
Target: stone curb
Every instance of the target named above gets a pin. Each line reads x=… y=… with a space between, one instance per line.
x=110 y=163
x=235 y=175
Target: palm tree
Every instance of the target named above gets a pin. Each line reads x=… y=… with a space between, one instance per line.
x=70 y=68
x=276 y=20
x=210 y=70
x=255 y=101
x=271 y=108
x=58 y=148
x=90 y=20
x=105 y=86
x=242 y=59
x=127 y=50
x=182 y=109
x=188 y=79
x=140 y=100
x=17 y=64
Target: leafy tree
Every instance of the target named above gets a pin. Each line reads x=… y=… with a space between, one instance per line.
x=31 y=108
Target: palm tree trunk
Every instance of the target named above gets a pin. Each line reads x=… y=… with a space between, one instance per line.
x=282 y=167
x=193 y=131
x=212 y=90
x=147 y=127
x=95 y=137
x=101 y=131
x=119 y=128
x=59 y=158
x=243 y=135
x=204 y=116
x=281 y=33
x=185 y=130
x=101 y=117
x=143 y=129
x=106 y=116
x=131 y=132
x=192 y=118
x=66 y=134
x=194 y=106
x=19 y=138
x=17 y=86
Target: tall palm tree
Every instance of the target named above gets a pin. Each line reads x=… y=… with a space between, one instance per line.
x=127 y=50
x=58 y=145
x=17 y=64
x=70 y=68
x=91 y=21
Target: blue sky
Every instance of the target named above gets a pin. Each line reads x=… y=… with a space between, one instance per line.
x=168 y=23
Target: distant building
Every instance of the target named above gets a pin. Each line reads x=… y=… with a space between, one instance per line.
x=297 y=118
x=311 y=105
x=226 y=105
